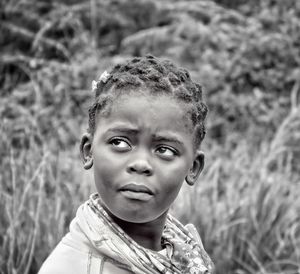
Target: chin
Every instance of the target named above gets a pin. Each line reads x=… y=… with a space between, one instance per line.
x=132 y=213
x=138 y=218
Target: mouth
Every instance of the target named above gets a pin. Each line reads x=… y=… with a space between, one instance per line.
x=136 y=192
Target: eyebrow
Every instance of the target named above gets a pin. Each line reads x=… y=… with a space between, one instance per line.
x=121 y=129
x=156 y=137
x=167 y=138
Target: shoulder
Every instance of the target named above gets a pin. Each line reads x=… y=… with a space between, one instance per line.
x=66 y=259
x=109 y=267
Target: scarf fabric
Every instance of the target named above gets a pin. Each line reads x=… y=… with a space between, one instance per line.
x=186 y=254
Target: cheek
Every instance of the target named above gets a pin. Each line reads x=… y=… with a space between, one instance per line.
x=172 y=189
x=102 y=174
x=172 y=178
x=169 y=194
x=104 y=167
x=176 y=171
x=172 y=184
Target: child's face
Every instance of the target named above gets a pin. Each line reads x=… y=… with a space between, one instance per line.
x=142 y=152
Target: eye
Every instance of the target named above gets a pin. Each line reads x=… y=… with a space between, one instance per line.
x=166 y=152
x=120 y=144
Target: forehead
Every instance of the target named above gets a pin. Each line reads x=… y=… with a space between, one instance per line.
x=156 y=111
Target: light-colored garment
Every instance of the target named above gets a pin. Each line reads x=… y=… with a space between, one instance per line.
x=96 y=244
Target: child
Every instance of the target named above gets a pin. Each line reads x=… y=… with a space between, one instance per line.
x=145 y=129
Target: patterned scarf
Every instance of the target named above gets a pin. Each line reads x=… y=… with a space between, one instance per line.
x=186 y=254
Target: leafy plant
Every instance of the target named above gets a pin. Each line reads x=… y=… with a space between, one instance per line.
x=246 y=54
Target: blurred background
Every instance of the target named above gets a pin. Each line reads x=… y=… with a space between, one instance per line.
x=246 y=204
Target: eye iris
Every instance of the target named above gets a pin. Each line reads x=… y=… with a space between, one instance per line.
x=116 y=142
x=119 y=143
x=166 y=151
x=162 y=149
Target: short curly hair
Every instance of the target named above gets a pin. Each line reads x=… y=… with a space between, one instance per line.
x=158 y=77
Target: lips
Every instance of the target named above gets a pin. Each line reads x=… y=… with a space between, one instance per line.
x=136 y=192
x=136 y=188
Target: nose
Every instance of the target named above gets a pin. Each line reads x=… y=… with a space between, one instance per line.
x=140 y=165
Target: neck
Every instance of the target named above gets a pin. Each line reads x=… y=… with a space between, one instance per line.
x=147 y=235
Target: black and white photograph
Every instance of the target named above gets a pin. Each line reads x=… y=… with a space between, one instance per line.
x=150 y=137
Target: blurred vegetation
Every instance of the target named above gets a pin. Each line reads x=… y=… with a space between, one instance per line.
x=247 y=55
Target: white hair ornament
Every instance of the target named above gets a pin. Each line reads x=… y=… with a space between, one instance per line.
x=103 y=78
x=94 y=86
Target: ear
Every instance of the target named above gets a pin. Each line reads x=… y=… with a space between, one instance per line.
x=86 y=150
x=196 y=169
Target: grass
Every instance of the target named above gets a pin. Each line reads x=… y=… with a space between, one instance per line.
x=38 y=201
x=246 y=204
x=246 y=210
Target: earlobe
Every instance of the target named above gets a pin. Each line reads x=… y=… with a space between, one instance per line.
x=196 y=169
x=86 y=150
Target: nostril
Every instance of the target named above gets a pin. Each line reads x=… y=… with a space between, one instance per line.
x=147 y=172
x=132 y=169
x=140 y=168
